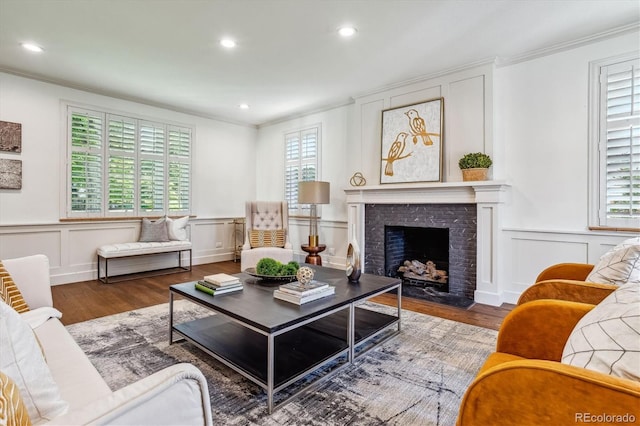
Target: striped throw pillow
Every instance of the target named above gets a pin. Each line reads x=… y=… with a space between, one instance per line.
x=9 y=292
x=266 y=238
x=13 y=412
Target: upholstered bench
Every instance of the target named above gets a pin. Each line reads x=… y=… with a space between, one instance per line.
x=124 y=250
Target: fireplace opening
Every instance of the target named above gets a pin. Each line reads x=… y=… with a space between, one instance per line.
x=418 y=255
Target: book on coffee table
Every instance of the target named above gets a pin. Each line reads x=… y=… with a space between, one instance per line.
x=299 y=289
x=219 y=287
x=221 y=280
x=300 y=299
x=201 y=285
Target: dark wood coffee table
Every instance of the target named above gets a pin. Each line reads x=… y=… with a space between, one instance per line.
x=276 y=343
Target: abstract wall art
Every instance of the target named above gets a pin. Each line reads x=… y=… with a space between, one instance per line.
x=10 y=174
x=412 y=143
x=10 y=136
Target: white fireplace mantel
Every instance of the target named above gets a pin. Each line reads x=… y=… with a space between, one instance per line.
x=429 y=193
x=489 y=197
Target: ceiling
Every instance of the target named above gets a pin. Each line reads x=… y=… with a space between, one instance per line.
x=289 y=57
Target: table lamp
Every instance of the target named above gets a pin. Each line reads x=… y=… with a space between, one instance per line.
x=313 y=193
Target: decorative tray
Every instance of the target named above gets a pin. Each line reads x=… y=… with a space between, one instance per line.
x=279 y=278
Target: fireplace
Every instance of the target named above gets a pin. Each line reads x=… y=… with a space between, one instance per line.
x=471 y=211
x=420 y=256
x=444 y=234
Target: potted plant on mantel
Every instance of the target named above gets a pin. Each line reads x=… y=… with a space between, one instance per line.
x=475 y=166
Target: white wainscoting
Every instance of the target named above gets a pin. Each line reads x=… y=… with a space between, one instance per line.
x=528 y=252
x=333 y=234
x=71 y=246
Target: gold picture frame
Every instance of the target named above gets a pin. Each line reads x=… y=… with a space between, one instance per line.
x=411 y=142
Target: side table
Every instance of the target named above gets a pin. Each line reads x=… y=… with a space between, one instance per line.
x=313 y=257
x=238 y=236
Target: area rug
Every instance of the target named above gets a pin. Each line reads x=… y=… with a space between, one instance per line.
x=416 y=378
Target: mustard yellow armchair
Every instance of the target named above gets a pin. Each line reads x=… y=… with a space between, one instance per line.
x=524 y=383
x=566 y=281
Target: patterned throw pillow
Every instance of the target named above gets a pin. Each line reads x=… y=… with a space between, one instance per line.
x=607 y=338
x=9 y=292
x=271 y=238
x=153 y=231
x=12 y=408
x=617 y=266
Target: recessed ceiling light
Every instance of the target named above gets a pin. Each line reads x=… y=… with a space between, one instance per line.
x=243 y=106
x=347 y=31
x=32 y=47
x=228 y=43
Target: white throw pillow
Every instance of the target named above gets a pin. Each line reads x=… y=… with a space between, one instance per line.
x=21 y=359
x=617 y=266
x=177 y=228
x=607 y=338
x=634 y=241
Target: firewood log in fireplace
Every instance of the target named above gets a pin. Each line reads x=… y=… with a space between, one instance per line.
x=414 y=269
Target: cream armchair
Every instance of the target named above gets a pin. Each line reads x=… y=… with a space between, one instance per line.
x=263 y=217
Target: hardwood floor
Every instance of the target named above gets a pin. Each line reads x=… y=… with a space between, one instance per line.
x=86 y=300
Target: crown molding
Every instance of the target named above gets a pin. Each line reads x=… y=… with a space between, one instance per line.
x=561 y=47
x=307 y=112
x=121 y=96
x=426 y=77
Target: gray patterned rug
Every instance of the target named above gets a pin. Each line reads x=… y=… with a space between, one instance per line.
x=416 y=378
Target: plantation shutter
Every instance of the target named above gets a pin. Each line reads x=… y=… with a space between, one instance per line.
x=86 y=128
x=152 y=168
x=121 y=164
x=179 y=178
x=292 y=170
x=301 y=164
x=620 y=139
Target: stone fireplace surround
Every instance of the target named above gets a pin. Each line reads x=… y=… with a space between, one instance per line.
x=458 y=219
x=489 y=198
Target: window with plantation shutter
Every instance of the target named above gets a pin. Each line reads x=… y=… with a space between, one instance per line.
x=302 y=163
x=618 y=144
x=121 y=165
x=85 y=174
x=179 y=182
x=152 y=168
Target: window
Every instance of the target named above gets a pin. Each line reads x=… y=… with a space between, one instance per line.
x=301 y=164
x=615 y=133
x=125 y=166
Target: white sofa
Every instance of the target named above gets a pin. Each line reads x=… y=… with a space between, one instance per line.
x=177 y=395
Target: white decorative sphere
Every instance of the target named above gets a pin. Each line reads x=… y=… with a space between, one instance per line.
x=304 y=275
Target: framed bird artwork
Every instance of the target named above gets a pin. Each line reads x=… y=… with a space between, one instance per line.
x=412 y=143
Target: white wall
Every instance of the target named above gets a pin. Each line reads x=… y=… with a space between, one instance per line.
x=541 y=122
x=530 y=116
x=336 y=136
x=223 y=178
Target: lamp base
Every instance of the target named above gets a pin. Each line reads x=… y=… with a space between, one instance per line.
x=314 y=257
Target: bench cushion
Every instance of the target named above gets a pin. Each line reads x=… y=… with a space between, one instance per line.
x=133 y=249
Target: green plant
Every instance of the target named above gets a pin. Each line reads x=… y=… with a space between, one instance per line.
x=475 y=160
x=271 y=267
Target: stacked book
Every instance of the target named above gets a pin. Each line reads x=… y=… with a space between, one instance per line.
x=219 y=284
x=297 y=293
